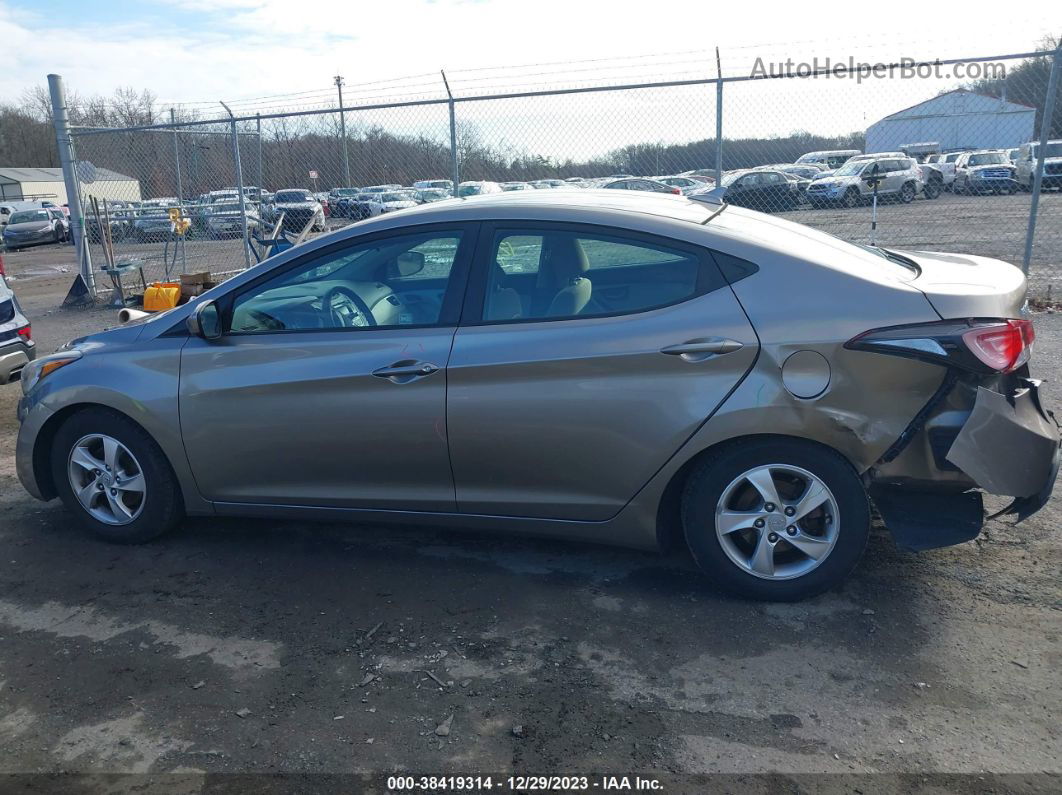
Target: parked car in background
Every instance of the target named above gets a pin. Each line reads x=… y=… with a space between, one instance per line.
x=657 y=370
x=5 y=213
x=901 y=179
x=153 y=222
x=428 y=195
x=17 y=348
x=32 y=227
x=299 y=207
x=508 y=186
x=640 y=183
x=548 y=183
x=766 y=190
x=391 y=201
x=477 y=188
x=808 y=171
x=984 y=171
x=442 y=184
x=831 y=158
x=120 y=216
x=226 y=220
x=684 y=184
x=1028 y=156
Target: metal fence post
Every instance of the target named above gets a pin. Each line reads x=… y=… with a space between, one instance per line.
x=177 y=156
x=258 y=125
x=718 y=120
x=343 y=132
x=454 y=175
x=239 y=185
x=1041 y=151
x=73 y=190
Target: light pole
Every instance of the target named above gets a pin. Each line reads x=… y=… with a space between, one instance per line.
x=343 y=132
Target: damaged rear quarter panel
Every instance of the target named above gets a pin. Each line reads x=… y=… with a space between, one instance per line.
x=796 y=305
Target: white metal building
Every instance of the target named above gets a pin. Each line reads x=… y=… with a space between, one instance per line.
x=956 y=120
x=36 y=184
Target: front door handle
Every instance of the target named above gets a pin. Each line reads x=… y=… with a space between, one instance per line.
x=405 y=370
x=699 y=349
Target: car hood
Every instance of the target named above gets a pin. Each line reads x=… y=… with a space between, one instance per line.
x=296 y=205
x=989 y=167
x=30 y=226
x=124 y=334
x=964 y=285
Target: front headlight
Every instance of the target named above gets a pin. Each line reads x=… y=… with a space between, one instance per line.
x=35 y=371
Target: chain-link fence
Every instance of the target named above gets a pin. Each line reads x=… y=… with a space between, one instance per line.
x=937 y=156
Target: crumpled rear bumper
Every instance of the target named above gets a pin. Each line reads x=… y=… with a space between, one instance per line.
x=1008 y=445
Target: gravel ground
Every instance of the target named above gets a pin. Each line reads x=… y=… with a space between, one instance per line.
x=234 y=648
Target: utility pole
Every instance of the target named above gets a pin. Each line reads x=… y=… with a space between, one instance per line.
x=343 y=132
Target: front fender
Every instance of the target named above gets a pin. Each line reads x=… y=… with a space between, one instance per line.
x=140 y=381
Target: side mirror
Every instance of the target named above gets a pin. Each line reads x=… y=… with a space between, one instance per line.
x=205 y=321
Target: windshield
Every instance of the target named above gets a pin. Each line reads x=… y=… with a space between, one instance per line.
x=346 y=192
x=434 y=195
x=226 y=208
x=27 y=216
x=397 y=197
x=292 y=196
x=988 y=159
x=852 y=168
x=469 y=190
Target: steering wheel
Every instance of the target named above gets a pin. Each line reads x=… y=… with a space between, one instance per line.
x=345 y=307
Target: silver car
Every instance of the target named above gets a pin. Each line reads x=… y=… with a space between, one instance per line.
x=17 y=348
x=614 y=366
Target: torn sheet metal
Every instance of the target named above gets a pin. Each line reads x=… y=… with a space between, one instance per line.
x=1009 y=444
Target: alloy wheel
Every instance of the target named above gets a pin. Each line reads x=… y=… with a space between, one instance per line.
x=107 y=479
x=777 y=521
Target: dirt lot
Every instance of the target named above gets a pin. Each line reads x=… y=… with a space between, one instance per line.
x=334 y=652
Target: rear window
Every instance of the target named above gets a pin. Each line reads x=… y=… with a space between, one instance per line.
x=291 y=196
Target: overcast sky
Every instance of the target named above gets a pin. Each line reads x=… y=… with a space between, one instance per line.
x=251 y=51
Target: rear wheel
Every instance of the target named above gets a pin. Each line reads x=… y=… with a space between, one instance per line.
x=776 y=519
x=907 y=193
x=114 y=477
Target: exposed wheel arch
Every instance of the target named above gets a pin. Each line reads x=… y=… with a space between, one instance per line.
x=669 y=534
x=42 y=451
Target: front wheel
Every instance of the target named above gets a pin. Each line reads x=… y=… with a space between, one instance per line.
x=776 y=519
x=114 y=478
x=907 y=193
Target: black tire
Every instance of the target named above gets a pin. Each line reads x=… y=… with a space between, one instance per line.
x=705 y=486
x=163 y=508
x=932 y=190
x=908 y=193
x=851 y=198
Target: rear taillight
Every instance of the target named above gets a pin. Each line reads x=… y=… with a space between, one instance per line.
x=24 y=333
x=999 y=345
x=1004 y=346
x=676 y=191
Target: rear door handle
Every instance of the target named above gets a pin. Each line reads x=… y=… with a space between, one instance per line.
x=701 y=348
x=406 y=370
